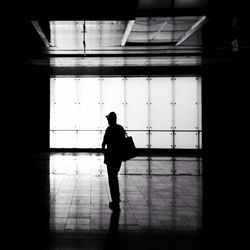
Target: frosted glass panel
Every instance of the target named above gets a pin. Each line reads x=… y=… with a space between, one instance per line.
x=161 y=140
x=113 y=99
x=186 y=103
x=137 y=107
x=88 y=139
x=78 y=107
x=186 y=139
x=63 y=103
x=160 y=99
x=63 y=139
x=89 y=103
x=140 y=139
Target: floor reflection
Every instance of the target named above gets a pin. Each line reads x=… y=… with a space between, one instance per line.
x=60 y=201
x=112 y=241
x=159 y=201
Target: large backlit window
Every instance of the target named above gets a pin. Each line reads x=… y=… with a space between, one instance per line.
x=159 y=112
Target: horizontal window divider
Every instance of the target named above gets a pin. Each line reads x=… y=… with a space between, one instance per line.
x=128 y=130
x=76 y=130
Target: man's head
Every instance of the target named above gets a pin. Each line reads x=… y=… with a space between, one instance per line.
x=111 y=118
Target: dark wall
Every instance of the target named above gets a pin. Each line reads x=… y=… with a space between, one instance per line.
x=24 y=96
x=24 y=108
x=225 y=133
x=24 y=128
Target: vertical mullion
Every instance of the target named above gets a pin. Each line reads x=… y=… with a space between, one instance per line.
x=125 y=102
x=173 y=111
x=125 y=114
x=77 y=113
x=199 y=109
x=100 y=103
x=149 y=102
x=52 y=102
x=149 y=124
x=52 y=110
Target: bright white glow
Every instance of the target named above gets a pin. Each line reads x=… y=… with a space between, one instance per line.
x=63 y=139
x=187 y=140
x=137 y=103
x=79 y=106
x=186 y=108
x=89 y=139
x=63 y=104
x=89 y=110
x=161 y=99
x=161 y=140
x=140 y=139
x=112 y=99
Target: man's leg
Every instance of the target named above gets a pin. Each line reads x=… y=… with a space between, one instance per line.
x=113 y=170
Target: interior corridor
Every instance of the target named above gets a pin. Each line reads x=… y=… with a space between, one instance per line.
x=176 y=72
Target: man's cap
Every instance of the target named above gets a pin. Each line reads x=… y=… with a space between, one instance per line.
x=111 y=115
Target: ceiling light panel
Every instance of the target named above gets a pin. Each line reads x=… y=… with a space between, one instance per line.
x=69 y=34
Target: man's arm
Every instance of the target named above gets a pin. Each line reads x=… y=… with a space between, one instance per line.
x=104 y=143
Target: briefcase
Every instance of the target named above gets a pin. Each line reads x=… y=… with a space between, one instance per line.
x=129 y=149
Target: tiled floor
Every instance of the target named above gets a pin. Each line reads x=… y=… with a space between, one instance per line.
x=60 y=201
x=161 y=203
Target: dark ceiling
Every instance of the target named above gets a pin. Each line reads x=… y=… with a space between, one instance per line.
x=23 y=41
x=117 y=9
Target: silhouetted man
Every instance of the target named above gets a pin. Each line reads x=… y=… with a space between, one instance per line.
x=114 y=138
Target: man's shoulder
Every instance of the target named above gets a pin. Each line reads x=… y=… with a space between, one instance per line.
x=120 y=127
x=117 y=126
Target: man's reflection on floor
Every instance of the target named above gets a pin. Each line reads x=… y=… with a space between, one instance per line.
x=112 y=240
